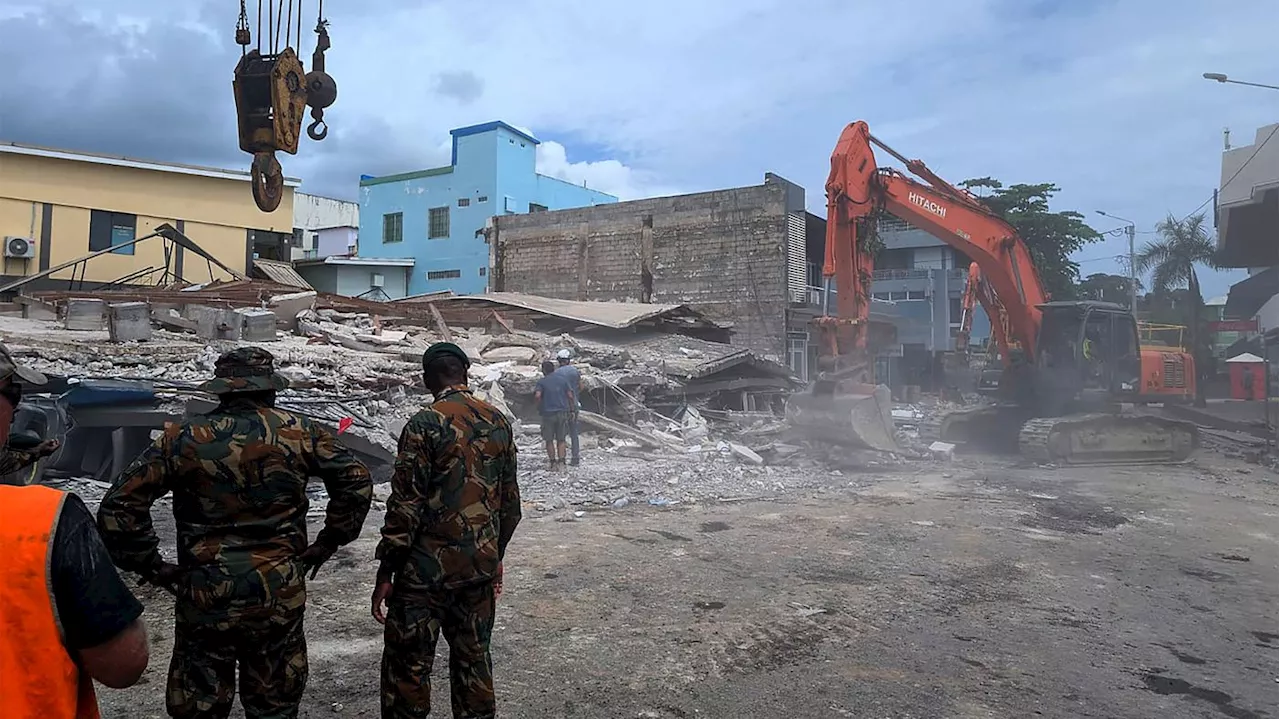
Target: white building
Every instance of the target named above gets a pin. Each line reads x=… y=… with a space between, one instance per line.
x=323 y=226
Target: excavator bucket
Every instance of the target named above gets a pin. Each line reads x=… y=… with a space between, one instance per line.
x=855 y=420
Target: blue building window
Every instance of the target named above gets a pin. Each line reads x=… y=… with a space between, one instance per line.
x=437 y=223
x=393 y=227
x=110 y=229
x=444 y=274
x=464 y=202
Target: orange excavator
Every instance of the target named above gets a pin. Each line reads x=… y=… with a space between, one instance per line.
x=1068 y=366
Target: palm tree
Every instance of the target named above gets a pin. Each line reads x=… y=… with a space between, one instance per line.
x=1172 y=261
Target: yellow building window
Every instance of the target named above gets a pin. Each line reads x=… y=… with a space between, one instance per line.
x=110 y=229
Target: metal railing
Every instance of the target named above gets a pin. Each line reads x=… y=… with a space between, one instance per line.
x=899 y=274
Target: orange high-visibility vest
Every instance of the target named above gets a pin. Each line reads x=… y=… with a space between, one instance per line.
x=38 y=677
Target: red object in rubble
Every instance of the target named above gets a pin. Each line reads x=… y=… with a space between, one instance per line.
x=344 y=424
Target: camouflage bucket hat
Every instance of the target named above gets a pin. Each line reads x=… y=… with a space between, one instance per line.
x=247 y=369
x=9 y=368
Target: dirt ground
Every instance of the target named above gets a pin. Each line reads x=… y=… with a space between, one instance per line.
x=972 y=589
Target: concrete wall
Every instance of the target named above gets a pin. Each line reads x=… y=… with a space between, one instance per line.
x=51 y=201
x=492 y=173
x=721 y=252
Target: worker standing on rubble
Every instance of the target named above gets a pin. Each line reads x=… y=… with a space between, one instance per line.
x=566 y=368
x=239 y=477
x=556 y=401
x=68 y=617
x=453 y=508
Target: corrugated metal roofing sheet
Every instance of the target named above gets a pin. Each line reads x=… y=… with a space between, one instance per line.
x=616 y=315
x=281 y=273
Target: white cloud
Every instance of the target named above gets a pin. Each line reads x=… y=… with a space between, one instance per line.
x=609 y=176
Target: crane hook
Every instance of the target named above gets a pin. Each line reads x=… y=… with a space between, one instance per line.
x=317 y=130
x=267 y=181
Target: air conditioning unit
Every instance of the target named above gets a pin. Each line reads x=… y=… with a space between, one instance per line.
x=20 y=247
x=377 y=280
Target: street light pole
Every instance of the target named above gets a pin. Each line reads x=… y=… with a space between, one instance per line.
x=1130 y=229
x=1219 y=77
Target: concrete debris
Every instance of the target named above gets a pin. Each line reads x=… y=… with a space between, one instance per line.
x=745 y=453
x=129 y=322
x=85 y=314
x=942 y=450
x=517 y=354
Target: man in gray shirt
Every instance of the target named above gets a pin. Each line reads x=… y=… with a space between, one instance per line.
x=574 y=378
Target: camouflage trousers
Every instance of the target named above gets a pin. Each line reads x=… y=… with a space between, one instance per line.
x=414 y=624
x=271 y=653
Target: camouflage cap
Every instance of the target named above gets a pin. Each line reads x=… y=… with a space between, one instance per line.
x=440 y=349
x=9 y=368
x=246 y=369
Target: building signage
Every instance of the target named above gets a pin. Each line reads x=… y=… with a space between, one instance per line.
x=1234 y=325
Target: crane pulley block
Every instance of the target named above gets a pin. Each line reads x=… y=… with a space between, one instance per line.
x=272 y=91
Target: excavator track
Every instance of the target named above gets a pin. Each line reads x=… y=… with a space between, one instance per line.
x=1096 y=439
x=992 y=428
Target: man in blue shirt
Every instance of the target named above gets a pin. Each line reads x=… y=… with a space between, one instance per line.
x=575 y=382
x=555 y=400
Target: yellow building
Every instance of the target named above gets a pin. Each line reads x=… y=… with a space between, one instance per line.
x=68 y=204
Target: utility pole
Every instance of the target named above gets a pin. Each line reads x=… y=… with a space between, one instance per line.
x=1133 y=274
x=1129 y=229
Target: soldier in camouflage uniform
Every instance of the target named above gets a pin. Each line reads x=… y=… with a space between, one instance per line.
x=238 y=477
x=453 y=507
x=12 y=460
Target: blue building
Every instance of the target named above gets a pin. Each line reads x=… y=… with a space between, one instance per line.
x=436 y=216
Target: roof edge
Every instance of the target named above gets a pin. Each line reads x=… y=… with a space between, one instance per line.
x=490 y=126
x=54 y=153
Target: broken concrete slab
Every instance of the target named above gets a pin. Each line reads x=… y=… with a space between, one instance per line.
x=387 y=337
x=215 y=323
x=34 y=309
x=515 y=353
x=288 y=306
x=170 y=319
x=646 y=439
x=745 y=453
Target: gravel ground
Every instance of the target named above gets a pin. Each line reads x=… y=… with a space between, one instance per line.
x=978 y=588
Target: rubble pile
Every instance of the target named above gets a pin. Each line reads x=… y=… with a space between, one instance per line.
x=666 y=418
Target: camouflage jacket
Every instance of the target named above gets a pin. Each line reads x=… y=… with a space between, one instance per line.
x=454 y=501
x=238 y=477
x=12 y=460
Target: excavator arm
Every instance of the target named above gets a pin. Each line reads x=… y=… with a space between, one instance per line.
x=859 y=190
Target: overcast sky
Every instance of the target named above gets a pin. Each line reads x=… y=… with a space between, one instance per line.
x=1103 y=97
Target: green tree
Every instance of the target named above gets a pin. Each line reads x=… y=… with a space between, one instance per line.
x=1105 y=287
x=1050 y=236
x=1172 y=261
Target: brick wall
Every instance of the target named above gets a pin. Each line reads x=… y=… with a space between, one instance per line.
x=720 y=252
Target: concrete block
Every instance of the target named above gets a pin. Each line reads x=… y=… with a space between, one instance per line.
x=215 y=323
x=942 y=450
x=257 y=325
x=86 y=314
x=129 y=322
x=288 y=306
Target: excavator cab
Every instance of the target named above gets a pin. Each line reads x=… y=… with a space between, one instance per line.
x=1087 y=356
